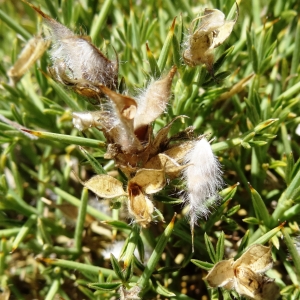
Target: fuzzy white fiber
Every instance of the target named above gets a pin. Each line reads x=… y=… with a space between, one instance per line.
x=203 y=177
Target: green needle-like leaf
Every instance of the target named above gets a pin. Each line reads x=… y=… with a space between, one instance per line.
x=156 y=255
x=67 y=139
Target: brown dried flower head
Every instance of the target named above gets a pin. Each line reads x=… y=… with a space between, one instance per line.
x=245 y=275
x=145 y=159
x=126 y=121
x=211 y=33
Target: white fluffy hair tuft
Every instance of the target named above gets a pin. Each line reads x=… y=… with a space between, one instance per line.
x=203 y=177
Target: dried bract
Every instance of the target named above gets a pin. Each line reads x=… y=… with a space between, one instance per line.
x=245 y=275
x=211 y=33
x=33 y=50
x=221 y=274
x=77 y=63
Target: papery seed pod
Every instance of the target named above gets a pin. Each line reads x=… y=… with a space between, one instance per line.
x=77 y=62
x=203 y=177
x=33 y=50
x=149 y=180
x=211 y=33
x=152 y=102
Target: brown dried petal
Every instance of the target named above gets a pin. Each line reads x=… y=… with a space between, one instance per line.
x=105 y=186
x=139 y=205
x=223 y=33
x=211 y=20
x=248 y=283
x=258 y=258
x=163 y=161
x=123 y=112
x=33 y=50
x=221 y=274
x=178 y=152
x=255 y=286
x=125 y=105
x=150 y=181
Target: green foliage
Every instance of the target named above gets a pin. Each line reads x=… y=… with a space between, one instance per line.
x=56 y=235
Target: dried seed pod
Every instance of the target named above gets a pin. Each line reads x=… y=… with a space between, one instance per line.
x=152 y=103
x=33 y=50
x=179 y=151
x=77 y=62
x=211 y=33
x=255 y=286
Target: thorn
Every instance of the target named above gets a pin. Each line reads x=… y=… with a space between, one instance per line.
x=192 y=233
x=173 y=24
